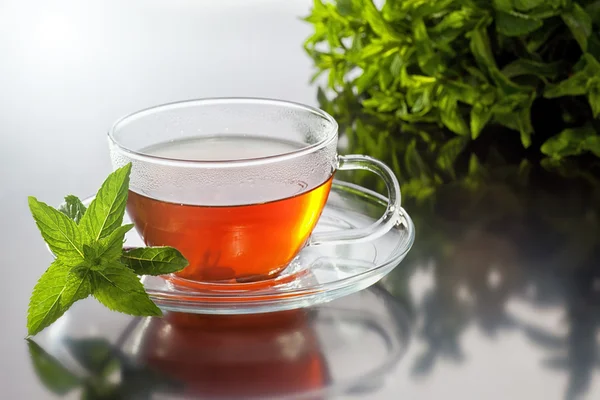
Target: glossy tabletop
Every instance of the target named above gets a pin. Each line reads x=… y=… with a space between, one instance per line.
x=498 y=299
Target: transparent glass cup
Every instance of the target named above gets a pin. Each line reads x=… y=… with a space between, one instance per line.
x=237 y=184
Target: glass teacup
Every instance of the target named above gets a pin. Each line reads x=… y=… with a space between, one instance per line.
x=237 y=184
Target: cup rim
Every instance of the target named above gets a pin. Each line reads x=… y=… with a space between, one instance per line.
x=330 y=136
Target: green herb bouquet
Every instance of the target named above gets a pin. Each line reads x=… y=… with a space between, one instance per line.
x=524 y=73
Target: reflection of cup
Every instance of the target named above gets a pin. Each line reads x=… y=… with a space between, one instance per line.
x=237 y=185
x=235 y=356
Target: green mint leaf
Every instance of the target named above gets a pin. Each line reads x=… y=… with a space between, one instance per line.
x=345 y=7
x=576 y=84
x=503 y=5
x=322 y=98
x=572 y=142
x=154 y=260
x=451 y=26
x=525 y=135
x=593 y=9
x=396 y=65
x=481 y=48
x=376 y=21
x=365 y=80
x=73 y=208
x=521 y=105
x=428 y=58
x=538 y=38
x=462 y=92
x=580 y=24
x=119 y=288
x=451 y=117
x=60 y=233
x=526 y=5
x=89 y=253
x=44 y=304
x=525 y=126
x=522 y=67
x=56 y=290
x=592 y=144
x=480 y=116
x=50 y=371
x=506 y=119
x=105 y=213
x=77 y=287
x=516 y=24
x=111 y=247
x=594 y=99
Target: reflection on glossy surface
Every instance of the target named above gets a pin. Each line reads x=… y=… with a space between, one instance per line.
x=347 y=346
x=506 y=244
x=254 y=356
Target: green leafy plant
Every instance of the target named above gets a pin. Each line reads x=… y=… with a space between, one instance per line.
x=90 y=259
x=467 y=66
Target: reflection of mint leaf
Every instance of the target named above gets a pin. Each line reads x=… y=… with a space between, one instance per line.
x=50 y=371
x=95 y=355
x=154 y=260
x=60 y=233
x=449 y=152
x=105 y=213
x=100 y=359
x=119 y=288
x=73 y=208
x=90 y=257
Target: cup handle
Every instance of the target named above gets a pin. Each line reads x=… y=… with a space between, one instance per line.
x=381 y=226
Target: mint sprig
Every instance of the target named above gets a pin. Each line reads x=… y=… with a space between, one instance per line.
x=73 y=208
x=90 y=260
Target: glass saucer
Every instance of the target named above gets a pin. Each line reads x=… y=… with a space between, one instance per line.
x=319 y=274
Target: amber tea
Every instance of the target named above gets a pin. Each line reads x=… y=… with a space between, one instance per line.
x=221 y=230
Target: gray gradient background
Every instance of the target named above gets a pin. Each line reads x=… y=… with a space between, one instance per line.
x=69 y=69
